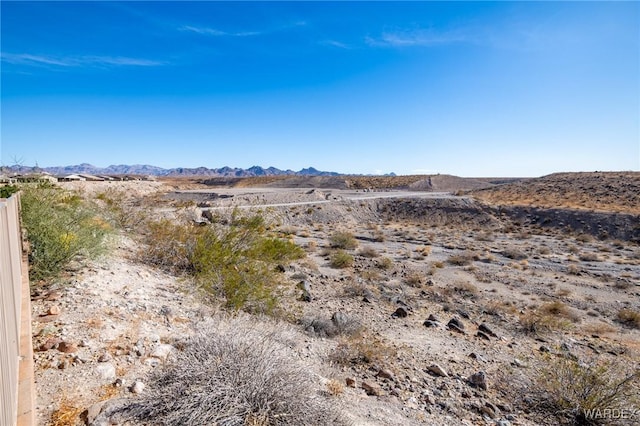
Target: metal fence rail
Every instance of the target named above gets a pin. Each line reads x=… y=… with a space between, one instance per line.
x=16 y=354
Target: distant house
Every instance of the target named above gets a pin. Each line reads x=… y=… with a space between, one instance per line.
x=91 y=178
x=72 y=178
x=36 y=177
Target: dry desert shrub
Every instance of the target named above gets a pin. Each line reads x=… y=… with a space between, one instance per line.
x=340 y=324
x=565 y=391
x=369 y=252
x=546 y=319
x=629 y=317
x=514 y=253
x=384 y=263
x=340 y=259
x=361 y=348
x=463 y=259
x=343 y=240
x=237 y=373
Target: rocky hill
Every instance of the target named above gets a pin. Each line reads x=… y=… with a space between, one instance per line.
x=596 y=191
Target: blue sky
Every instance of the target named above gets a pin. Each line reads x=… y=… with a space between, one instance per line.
x=467 y=88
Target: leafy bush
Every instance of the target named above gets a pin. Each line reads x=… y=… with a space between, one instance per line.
x=7 y=190
x=343 y=240
x=60 y=227
x=340 y=259
x=236 y=258
x=241 y=373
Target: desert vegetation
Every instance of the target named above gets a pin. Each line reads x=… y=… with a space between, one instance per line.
x=412 y=311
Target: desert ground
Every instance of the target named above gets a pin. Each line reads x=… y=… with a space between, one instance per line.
x=428 y=300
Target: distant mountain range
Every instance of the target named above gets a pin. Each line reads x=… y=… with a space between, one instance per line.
x=144 y=169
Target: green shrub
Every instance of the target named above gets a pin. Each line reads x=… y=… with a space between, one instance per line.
x=60 y=227
x=7 y=190
x=343 y=240
x=340 y=259
x=236 y=259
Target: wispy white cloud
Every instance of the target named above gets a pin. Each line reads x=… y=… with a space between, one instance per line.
x=216 y=32
x=417 y=37
x=334 y=43
x=76 y=61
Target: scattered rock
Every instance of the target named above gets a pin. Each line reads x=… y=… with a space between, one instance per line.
x=50 y=344
x=517 y=363
x=47 y=318
x=486 y=330
x=105 y=357
x=544 y=348
x=350 y=382
x=305 y=286
x=433 y=318
x=481 y=335
x=456 y=325
x=90 y=414
x=54 y=295
x=429 y=323
x=488 y=411
x=400 y=313
x=162 y=351
x=106 y=371
x=437 y=370
x=385 y=373
x=372 y=388
x=67 y=347
x=137 y=387
x=54 y=310
x=479 y=380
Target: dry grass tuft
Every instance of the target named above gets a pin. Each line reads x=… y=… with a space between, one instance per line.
x=67 y=413
x=239 y=373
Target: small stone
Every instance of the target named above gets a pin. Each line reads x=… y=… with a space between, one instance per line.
x=137 y=387
x=151 y=362
x=372 y=388
x=486 y=330
x=544 y=348
x=54 y=295
x=455 y=322
x=455 y=328
x=400 y=313
x=479 y=380
x=429 y=324
x=385 y=374
x=67 y=347
x=350 y=382
x=64 y=364
x=162 y=351
x=54 y=310
x=90 y=414
x=438 y=370
x=456 y=325
x=487 y=411
x=106 y=371
x=105 y=357
x=481 y=335
x=517 y=363
x=50 y=344
x=47 y=318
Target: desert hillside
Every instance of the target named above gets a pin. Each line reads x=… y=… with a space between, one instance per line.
x=599 y=191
